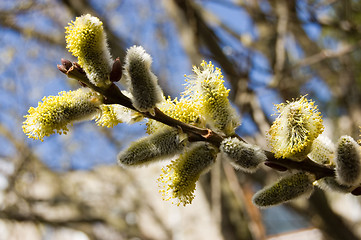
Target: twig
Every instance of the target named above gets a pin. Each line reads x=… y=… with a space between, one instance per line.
x=114 y=96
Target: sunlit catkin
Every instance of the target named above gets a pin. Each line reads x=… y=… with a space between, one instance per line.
x=207 y=88
x=298 y=124
x=179 y=178
x=184 y=110
x=348 y=161
x=286 y=189
x=55 y=113
x=140 y=80
x=163 y=144
x=242 y=155
x=86 y=40
x=113 y=114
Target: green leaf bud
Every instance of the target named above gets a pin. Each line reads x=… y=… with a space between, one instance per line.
x=179 y=178
x=348 y=161
x=163 y=144
x=286 y=189
x=242 y=155
x=141 y=82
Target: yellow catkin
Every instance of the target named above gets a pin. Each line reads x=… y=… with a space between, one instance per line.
x=298 y=124
x=113 y=114
x=207 y=88
x=179 y=178
x=86 y=40
x=55 y=113
x=183 y=110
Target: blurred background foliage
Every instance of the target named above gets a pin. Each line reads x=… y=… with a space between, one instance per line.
x=69 y=187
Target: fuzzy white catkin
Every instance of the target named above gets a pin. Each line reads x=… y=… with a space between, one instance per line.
x=286 y=189
x=242 y=155
x=160 y=145
x=322 y=150
x=140 y=81
x=330 y=184
x=348 y=161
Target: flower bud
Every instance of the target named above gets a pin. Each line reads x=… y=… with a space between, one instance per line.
x=286 y=189
x=86 y=40
x=298 y=124
x=141 y=82
x=348 y=161
x=179 y=178
x=322 y=150
x=56 y=112
x=163 y=144
x=242 y=155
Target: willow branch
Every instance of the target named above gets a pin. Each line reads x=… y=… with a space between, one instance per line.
x=113 y=95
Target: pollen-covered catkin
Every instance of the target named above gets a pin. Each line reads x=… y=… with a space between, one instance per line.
x=298 y=124
x=179 y=178
x=140 y=80
x=286 y=189
x=113 y=114
x=348 y=161
x=55 y=113
x=86 y=40
x=242 y=155
x=160 y=145
x=207 y=89
x=184 y=110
